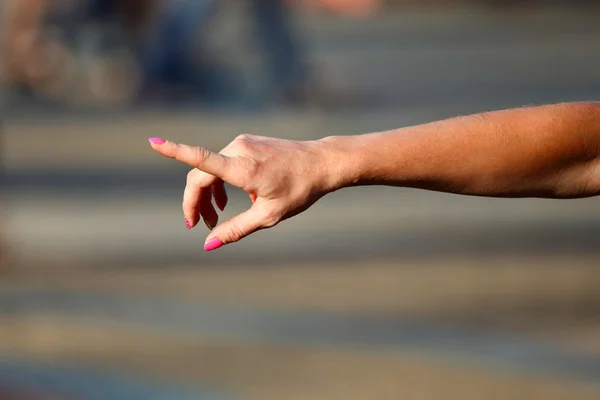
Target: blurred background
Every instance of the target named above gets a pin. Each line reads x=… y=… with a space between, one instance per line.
x=374 y=293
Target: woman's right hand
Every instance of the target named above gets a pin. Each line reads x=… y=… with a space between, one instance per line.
x=282 y=178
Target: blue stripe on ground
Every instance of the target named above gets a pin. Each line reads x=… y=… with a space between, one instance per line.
x=505 y=352
x=79 y=383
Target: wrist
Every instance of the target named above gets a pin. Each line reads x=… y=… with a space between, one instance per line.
x=340 y=157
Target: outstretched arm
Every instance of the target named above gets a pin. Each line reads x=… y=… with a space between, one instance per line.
x=549 y=151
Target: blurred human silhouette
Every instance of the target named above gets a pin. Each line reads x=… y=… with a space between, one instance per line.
x=292 y=80
x=170 y=56
x=24 y=50
x=166 y=40
x=290 y=77
x=41 y=39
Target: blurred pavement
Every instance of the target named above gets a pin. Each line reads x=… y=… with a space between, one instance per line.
x=372 y=293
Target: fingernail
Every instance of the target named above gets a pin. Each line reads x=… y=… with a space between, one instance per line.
x=220 y=205
x=157 y=140
x=213 y=244
x=208 y=225
x=187 y=224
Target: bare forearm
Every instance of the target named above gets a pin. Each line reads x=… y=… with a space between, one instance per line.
x=549 y=151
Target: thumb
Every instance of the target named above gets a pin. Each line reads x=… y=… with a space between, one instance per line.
x=256 y=218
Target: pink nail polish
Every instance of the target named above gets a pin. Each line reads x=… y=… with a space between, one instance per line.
x=187 y=224
x=157 y=140
x=213 y=244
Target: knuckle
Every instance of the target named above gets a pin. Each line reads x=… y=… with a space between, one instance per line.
x=200 y=155
x=197 y=177
x=246 y=137
x=191 y=176
x=242 y=146
x=235 y=233
x=178 y=151
x=245 y=143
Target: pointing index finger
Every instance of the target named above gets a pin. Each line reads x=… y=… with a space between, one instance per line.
x=197 y=157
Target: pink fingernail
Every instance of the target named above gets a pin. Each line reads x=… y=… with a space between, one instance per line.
x=213 y=244
x=157 y=140
x=187 y=224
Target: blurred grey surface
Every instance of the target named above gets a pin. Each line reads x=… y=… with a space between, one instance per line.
x=372 y=293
